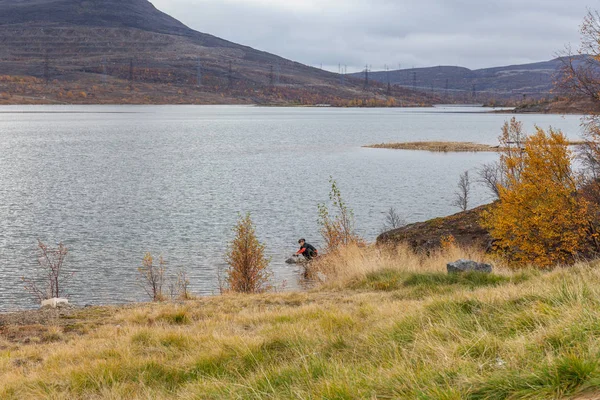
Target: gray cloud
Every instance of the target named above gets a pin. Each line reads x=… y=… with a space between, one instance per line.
x=470 y=33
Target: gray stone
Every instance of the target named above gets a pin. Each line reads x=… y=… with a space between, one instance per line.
x=296 y=260
x=468 y=266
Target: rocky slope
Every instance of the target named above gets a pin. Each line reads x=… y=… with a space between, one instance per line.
x=464 y=227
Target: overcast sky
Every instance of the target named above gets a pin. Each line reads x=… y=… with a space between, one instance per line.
x=421 y=33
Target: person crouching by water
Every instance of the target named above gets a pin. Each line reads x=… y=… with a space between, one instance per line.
x=307 y=250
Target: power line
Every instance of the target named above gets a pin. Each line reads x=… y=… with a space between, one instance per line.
x=199 y=73
x=46 y=67
x=104 y=71
x=389 y=82
x=230 y=74
x=131 y=70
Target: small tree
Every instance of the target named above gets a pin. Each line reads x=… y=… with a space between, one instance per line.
x=337 y=229
x=462 y=195
x=392 y=220
x=51 y=279
x=540 y=218
x=490 y=177
x=248 y=270
x=153 y=277
x=496 y=175
x=580 y=75
x=182 y=286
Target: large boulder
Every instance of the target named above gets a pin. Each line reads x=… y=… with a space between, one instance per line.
x=468 y=266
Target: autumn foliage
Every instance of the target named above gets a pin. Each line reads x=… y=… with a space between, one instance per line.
x=248 y=266
x=541 y=218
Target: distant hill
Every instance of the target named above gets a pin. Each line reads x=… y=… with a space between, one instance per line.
x=535 y=80
x=128 y=51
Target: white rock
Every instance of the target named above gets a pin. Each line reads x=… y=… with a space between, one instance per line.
x=55 y=302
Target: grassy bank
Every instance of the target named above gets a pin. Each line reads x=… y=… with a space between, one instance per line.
x=387 y=324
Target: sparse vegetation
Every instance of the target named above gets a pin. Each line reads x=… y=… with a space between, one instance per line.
x=153 y=277
x=50 y=279
x=182 y=286
x=337 y=224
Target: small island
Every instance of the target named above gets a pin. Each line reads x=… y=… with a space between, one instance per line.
x=447 y=147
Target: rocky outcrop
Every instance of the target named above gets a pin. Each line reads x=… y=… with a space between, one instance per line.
x=464 y=227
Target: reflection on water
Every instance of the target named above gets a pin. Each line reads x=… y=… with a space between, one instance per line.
x=115 y=182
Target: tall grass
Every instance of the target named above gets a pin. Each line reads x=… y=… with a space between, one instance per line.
x=355 y=262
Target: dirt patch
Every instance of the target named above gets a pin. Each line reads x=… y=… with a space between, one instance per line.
x=51 y=325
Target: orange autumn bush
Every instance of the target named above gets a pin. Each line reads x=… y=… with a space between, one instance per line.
x=541 y=218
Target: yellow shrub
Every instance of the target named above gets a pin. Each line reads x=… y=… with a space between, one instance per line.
x=540 y=218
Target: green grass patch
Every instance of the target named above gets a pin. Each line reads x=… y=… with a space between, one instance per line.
x=177 y=317
x=420 y=285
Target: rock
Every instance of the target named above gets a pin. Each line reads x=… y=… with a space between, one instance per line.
x=296 y=260
x=468 y=266
x=54 y=303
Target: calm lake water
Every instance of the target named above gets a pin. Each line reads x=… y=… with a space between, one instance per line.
x=113 y=182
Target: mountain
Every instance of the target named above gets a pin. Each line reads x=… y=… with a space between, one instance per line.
x=536 y=80
x=128 y=51
x=99 y=13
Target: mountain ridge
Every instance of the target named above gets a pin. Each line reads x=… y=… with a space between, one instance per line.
x=110 y=51
x=536 y=80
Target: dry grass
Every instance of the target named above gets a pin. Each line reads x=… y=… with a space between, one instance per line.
x=392 y=326
x=355 y=263
x=445 y=147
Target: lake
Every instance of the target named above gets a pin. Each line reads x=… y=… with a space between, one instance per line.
x=114 y=182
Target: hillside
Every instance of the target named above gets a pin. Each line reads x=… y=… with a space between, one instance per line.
x=111 y=51
x=399 y=328
x=533 y=81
